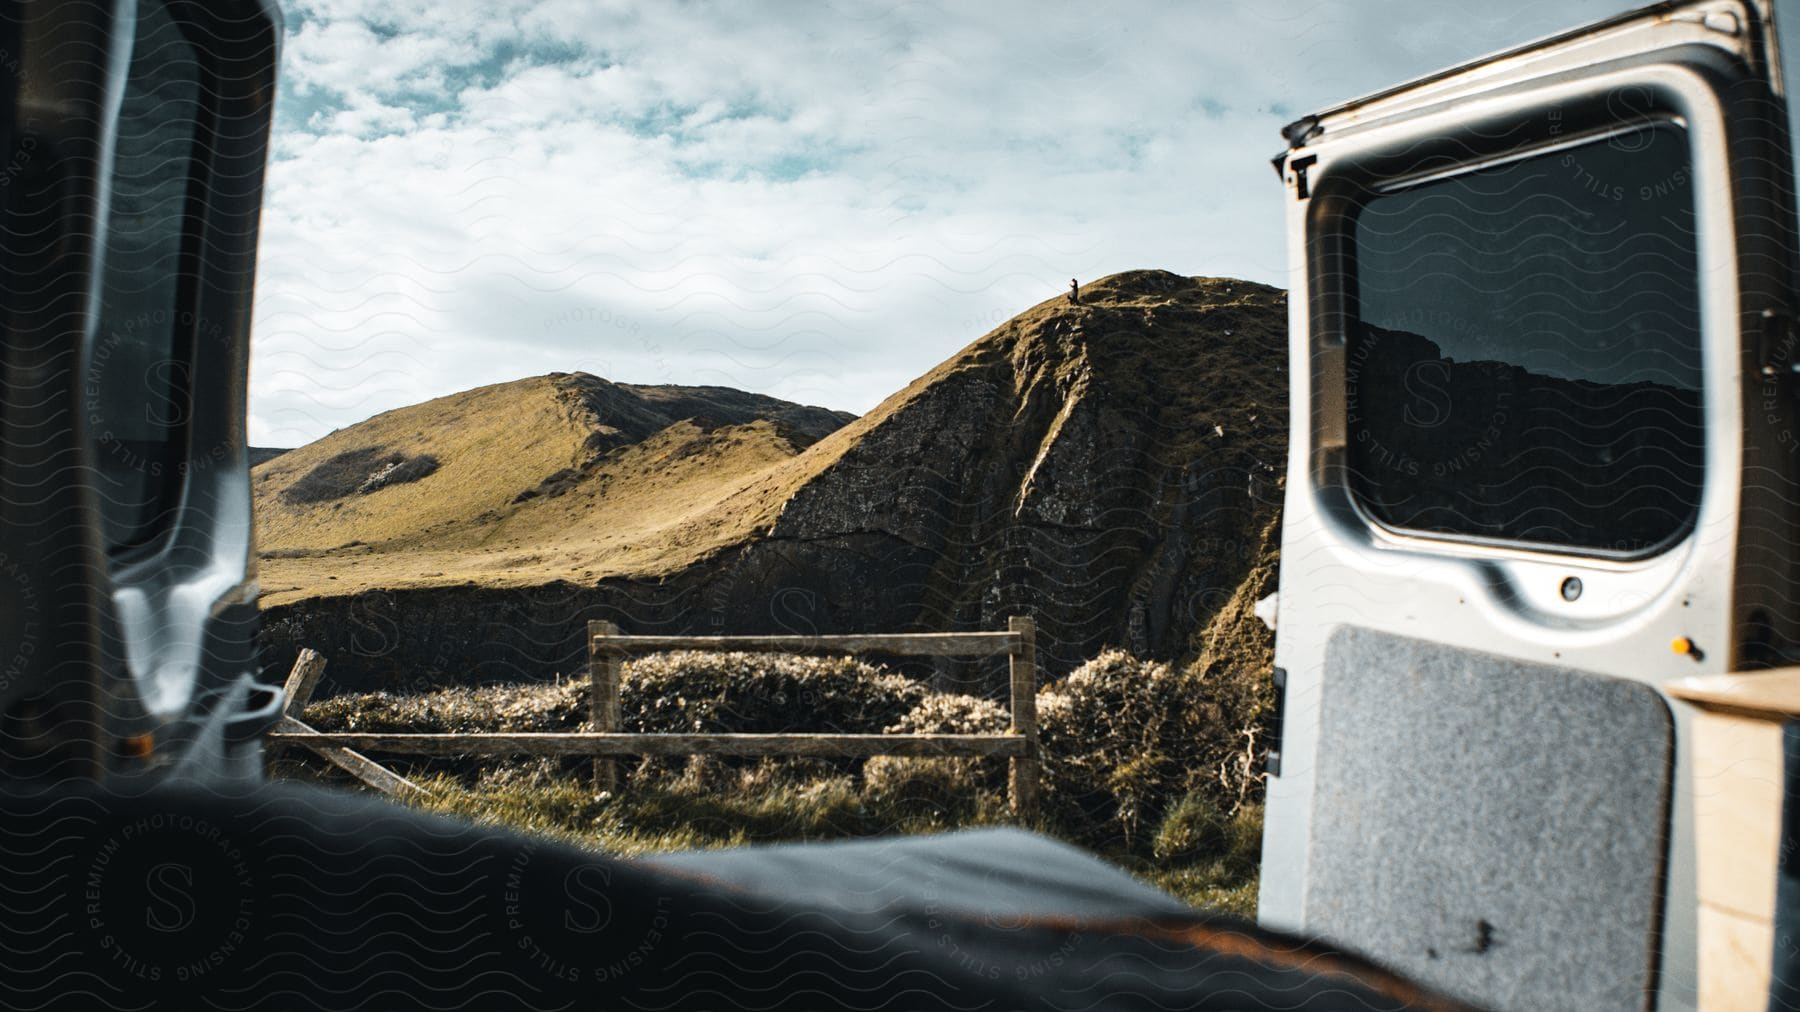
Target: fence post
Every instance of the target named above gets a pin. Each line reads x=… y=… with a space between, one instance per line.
x=301 y=682
x=295 y=694
x=603 y=697
x=1023 y=669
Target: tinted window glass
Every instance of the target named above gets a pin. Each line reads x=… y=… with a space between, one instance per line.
x=137 y=382
x=1523 y=352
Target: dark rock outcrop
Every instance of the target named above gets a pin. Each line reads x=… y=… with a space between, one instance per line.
x=621 y=413
x=264 y=454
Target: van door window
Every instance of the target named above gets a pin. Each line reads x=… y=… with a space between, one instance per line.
x=1523 y=348
x=136 y=388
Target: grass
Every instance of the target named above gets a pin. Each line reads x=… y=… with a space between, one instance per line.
x=1142 y=762
x=648 y=820
x=434 y=495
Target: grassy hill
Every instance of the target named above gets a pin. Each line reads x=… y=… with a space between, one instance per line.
x=1112 y=467
x=565 y=476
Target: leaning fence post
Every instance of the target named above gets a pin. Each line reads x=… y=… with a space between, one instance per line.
x=1023 y=669
x=301 y=682
x=295 y=694
x=603 y=696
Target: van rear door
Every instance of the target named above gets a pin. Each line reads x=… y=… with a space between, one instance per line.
x=1543 y=461
x=133 y=138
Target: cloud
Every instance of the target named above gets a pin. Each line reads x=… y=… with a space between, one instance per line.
x=818 y=204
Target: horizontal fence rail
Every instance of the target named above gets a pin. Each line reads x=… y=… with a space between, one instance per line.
x=979 y=644
x=560 y=743
x=607 y=648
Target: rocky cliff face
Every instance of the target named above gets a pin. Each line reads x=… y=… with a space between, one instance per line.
x=1112 y=468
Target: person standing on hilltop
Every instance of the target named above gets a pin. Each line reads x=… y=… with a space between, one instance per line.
x=1074 y=292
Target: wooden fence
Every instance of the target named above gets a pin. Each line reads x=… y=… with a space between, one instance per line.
x=607 y=649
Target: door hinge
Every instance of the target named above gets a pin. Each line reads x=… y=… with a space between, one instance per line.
x=1300 y=167
x=1272 y=762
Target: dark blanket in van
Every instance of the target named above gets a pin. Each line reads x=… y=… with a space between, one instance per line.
x=284 y=897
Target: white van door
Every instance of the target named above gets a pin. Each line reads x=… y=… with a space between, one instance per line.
x=1543 y=462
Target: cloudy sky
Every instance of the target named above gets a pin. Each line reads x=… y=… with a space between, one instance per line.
x=816 y=205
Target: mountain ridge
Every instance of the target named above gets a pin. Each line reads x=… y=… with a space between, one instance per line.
x=1111 y=466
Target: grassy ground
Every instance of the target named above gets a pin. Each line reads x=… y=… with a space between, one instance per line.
x=651 y=820
x=1143 y=763
x=648 y=820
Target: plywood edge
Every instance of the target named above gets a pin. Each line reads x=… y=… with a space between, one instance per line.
x=1767 y=695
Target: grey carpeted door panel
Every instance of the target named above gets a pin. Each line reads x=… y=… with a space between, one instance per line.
x=1491 y=827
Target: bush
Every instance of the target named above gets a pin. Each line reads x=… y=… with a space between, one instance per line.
x=951 y=713
x=689 y=691
x=939 y=788
x=739 y=693
x=1193 y=829
x=939 y=792
x=542 y=707
x=677 y=692
x=1126 y=739
x=1243 y=838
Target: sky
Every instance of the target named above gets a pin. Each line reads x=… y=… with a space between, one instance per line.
x=818 y=202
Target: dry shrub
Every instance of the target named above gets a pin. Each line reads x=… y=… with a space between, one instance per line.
x=537 y=707
x=520 y=774
x=952 y=713
x=677 y=692
x=1194 y=828
x=947 y=786
x=1197 y=828
x=936 y=789
x=738 y=693
x=1125 y=739
x=774 y=773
